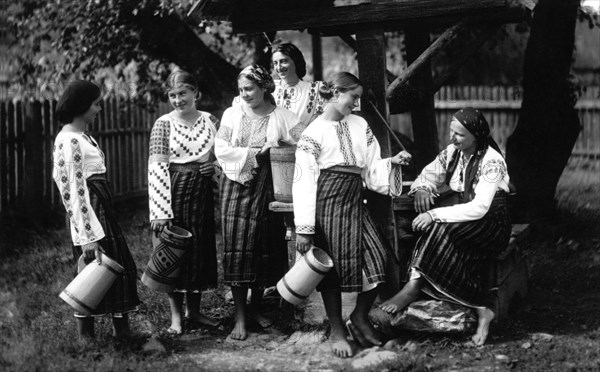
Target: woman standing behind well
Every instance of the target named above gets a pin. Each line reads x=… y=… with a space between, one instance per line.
x=255 y=255
x=180 y=189
x=291 y=92
x=80 y=175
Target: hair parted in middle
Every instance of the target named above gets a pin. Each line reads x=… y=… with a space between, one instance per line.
x=182 y=78
x=341 y=81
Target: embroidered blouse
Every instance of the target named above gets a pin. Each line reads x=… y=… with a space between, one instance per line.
x=77 y=157
x=492 y=175
x=348 y=142
x=240 y=139
x=173 y=141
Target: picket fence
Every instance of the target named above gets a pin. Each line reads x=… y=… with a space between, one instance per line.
x=27 y=131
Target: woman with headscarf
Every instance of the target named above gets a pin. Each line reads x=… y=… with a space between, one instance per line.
x=255 y=256
x=80 y=175
x=180 y=190
x=456 y=240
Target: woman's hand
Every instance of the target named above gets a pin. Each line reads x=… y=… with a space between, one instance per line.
x=422 y=222
x=303 y=242
x=158 y=225
x=424 y=200
x=92 y=250
x=207 y=169
x=401 y=158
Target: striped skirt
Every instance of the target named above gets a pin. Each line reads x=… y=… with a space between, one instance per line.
x=192 y=201
x=255 y=250
x=122 y=296
x=345 y=230
x=451 y=256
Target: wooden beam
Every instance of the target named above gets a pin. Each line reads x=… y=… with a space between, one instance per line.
x=370 y=47
x=423 y=112
x=351 y=42
x=317 y=56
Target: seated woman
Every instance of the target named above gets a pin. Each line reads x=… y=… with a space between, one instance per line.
x=456 y=240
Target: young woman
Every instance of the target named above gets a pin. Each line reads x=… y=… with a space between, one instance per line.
x=80 y=175
x=180 y=190
x=336 y=154
x=456 y=240
x=255 y=253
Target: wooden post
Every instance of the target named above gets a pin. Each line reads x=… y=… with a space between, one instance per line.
x=317 y=55
x=372 y=69
x=423 y=113
x=33 y=189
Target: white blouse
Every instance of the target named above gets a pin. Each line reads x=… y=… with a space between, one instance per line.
x=173 y=141
x=77 y=157
x=491 y=176
x=348 y=142
x=240 y=139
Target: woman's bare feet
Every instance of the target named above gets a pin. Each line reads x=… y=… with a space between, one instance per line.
x=260 y=319
x=390 y=306
x=339 y=344
x=203 y=320
x=485 y=317
x=366 y=330
x=239 y=331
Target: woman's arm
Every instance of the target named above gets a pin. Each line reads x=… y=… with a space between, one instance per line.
x=159 y=180
x=70 y=176
x=236 y=162
x=381 y=175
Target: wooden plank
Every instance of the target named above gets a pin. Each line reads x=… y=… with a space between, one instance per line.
x=251 y=17
x=33 y=189
x=317 y=56
x=19 y=153
x=10 y=155
x=3 y=157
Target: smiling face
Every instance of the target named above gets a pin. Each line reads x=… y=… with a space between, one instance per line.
x=90 y=115
x=284 y=66
x=346 y=102
x=461 y=138
x=250 y=92
x=182 y=98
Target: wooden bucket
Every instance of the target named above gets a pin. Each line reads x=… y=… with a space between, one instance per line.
x=164 y=266
x=89 y=287
x=299 y=282
x=283 y=164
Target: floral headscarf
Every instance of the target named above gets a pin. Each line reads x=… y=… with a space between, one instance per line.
x=260 y=76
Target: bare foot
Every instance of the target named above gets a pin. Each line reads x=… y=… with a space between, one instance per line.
x=204 y=320
x=175 y=328
x=339 y=345
x=485 y=317
x=260 y=319
x=366 y=329
x=239 y=332
x=392 y=305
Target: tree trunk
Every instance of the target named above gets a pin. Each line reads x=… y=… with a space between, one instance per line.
x=548 y=126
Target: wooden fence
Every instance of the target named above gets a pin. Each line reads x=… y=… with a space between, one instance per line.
x=27 y=131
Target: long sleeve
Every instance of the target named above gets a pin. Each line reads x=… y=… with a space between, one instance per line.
x=235 y=161
x=432 y=177
x=159 y=182
x=70 y=174
x=381 y=175
x=493 y=173
x=304 y=188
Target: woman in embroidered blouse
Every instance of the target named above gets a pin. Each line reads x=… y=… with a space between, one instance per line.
x=456 y=240
x=335 y=155
x=80 y=175
x=255 y=254
x=180 y=191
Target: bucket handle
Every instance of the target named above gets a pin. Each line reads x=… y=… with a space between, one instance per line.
x=81 y=262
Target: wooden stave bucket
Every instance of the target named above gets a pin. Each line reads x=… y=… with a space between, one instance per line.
x=302 y=279
x=91 y=284
x=157 y=276
x=283 y=164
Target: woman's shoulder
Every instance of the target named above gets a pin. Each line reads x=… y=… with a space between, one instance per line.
x=208 y=116
x=356 y=120
x=493 y=155
x=284 y=113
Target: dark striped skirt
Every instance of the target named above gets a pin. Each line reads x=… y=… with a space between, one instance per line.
x=192 y=201
x=451 y=256
x=122 y=296
x=345 y=230
x=255 y=250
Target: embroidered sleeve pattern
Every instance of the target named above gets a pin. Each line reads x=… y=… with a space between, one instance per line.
x=305 y=229
x=215 y=121
x=493 y=170
x=71 y=181
x=370 y=136
x=296 y=131
x=224 y=133
x=159 y=182
x=345 y=140
x=310 y=146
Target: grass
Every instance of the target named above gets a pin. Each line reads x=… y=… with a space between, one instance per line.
x=37 y=330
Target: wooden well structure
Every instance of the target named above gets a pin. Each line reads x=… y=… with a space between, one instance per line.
x=463 y=26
